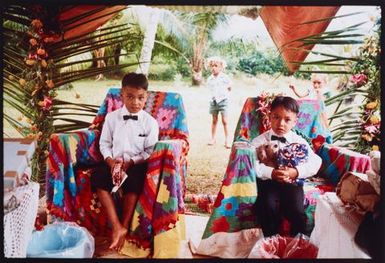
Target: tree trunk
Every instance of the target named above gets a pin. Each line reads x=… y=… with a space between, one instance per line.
x=199 y=47
x=148 y=43
x=196 y=78
x=117 y=50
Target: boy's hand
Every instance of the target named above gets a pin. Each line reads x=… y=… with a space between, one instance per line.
x=127 y=165
x=116 y=169
x=285 y=174
x=111 y=163
x=292 y=174
x=117 y=172
x=278 y=175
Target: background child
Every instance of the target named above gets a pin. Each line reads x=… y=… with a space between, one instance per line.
x=127 y=140
x=318 y=91
x=220 y=86
x=277 y=197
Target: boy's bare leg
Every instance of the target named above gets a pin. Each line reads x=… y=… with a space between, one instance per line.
x=118 y=230
x=213 y=129
x=224 y=122
x=129 y=203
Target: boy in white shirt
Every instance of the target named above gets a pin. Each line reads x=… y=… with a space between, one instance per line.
x=127 y=140
x=220 y=86
x=277 y=196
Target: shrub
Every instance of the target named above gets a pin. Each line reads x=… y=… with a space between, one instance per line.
x=183 y=68
x=266 y=62
x=162 y=72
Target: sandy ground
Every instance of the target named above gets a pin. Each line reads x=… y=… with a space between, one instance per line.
x=207 y=164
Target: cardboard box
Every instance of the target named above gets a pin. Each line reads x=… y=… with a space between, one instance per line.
x=17 y=154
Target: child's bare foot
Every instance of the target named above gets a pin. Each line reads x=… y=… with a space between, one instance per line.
x=211 y=142
x=118 y=237
x=227 y=145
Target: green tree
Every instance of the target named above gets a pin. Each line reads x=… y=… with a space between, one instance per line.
x=188 y=35
x=202 y=25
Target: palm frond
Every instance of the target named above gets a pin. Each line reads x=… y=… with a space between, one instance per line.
x=14 y=123
x=113 y=30
x=86 y=73
x=164 y=44
x=348 y=119
x=76 y=50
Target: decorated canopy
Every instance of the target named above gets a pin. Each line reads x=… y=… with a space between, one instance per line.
x=284 y=23
x=288 y=23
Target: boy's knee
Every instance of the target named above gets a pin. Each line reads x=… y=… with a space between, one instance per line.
x=296 y=211
x=268 y=205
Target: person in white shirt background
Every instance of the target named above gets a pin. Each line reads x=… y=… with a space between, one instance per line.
x=220 y=86
x=128 y=137
x=277 y=196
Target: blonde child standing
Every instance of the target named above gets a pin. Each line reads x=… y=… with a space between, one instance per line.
x=220 y=86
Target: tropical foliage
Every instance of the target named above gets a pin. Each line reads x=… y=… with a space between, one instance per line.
x=191 y=33
x=268 y=63
x=358 y=104
x=36 y=66
x=367 y=74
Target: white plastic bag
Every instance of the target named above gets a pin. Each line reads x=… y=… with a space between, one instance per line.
x=61 y=240
x=228 y=245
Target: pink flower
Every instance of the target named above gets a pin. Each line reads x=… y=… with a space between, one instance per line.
x=359 y=79
x=371 y=129
x=32 y=56
x=47 y=103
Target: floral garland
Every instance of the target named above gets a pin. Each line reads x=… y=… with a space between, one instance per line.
x=263 y=108
x=37 y=81
x=367 y=74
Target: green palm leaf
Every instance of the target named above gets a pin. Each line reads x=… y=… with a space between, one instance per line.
x=329 y=18
x=347 y=131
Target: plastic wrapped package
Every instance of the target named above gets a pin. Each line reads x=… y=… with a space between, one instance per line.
x=284 y=247
x=61 y=240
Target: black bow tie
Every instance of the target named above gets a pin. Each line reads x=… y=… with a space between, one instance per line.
x=276 y=138
x=132 y=117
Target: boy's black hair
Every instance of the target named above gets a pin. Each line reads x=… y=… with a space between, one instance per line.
x=288 y=103
x=135 y=80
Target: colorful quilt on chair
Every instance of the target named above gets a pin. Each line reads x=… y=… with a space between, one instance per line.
x=252 y=122
x=160 y=208
x=234 y=207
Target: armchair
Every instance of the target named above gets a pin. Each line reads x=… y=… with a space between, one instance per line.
x=234 y=210
x=160 y=208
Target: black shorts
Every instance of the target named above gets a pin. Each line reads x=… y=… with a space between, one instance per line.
x=101 y=178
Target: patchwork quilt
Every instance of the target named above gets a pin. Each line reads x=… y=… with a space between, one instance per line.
x=160 y=209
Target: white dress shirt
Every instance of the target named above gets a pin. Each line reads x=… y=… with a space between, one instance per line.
x=219 y=86
x=129 y=139
x=305 y=170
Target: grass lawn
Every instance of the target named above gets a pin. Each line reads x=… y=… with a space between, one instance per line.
x=207 y=164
